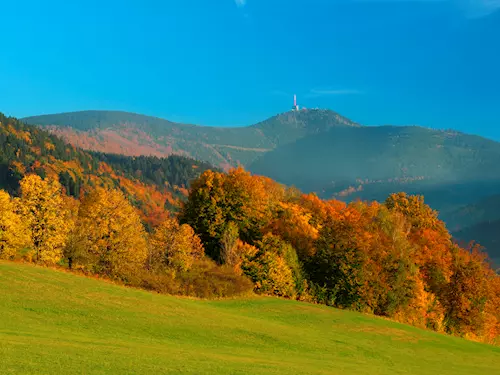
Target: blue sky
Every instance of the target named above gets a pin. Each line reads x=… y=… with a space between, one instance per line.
x=434 y=63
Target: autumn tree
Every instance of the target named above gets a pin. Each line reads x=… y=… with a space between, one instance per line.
x=14 y=235
x=229 y=242
x=468 y=293
x=427 y=232
x=175 y=246
x=433 y=247
x=274 y=268
x=42 y=209
x=296 y=225
x=72 y=252
x=110 y=236
x=336 y=270
x=216 y=199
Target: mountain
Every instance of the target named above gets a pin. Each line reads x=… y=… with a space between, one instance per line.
x=320 y=151
x=486 y=209
x=486 y=233
x=133 y=134
x=479 y=221
x=151 y=183
x=371 y=161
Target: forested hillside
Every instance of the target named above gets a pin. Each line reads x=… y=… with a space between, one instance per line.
x=358 y=156
x=456 y=172
x=317 y=151
x=134 y=134
x=151 y=183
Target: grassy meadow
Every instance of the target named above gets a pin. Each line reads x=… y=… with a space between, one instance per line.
x=53 y=322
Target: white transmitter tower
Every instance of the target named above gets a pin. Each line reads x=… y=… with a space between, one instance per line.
x=295 y=106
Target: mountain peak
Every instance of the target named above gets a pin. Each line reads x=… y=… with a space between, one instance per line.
x=134 y=134
x=322 y=119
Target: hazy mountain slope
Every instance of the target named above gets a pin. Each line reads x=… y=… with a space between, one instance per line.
x=353 y=156
x=483 y=210
x=479 y=221
x=452 y=170
x=487 y=234
x=134 y=134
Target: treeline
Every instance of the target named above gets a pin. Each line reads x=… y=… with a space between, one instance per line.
x=237 y=232
x=173 y=170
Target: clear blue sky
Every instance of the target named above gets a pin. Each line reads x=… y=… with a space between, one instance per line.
x=434 y=63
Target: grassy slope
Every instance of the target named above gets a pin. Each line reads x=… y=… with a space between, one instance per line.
x=58 y=323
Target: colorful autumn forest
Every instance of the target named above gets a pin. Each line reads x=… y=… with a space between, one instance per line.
x=152 y=184
x=236 y=233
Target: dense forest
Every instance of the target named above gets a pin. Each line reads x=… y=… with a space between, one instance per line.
x=152 y=183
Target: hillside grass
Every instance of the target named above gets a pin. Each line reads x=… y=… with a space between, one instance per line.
x=53 y=322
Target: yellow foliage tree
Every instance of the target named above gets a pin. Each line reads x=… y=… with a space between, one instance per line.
x=109 y=234
x=273 y=267
x=175 y=246
x=13 y=233
x=42 y=209
x=71 y=250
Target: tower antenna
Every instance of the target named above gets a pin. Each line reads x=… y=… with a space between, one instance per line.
x=295 y=106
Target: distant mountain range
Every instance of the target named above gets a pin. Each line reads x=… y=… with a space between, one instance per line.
x=320 y=151
x=133 y=134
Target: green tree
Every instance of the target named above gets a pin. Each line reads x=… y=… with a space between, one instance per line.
x=229 y=242
x=216 y=199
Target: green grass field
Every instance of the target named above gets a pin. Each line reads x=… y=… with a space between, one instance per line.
x=57 y=323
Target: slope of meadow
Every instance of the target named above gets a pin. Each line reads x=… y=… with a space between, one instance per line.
x=58 y=323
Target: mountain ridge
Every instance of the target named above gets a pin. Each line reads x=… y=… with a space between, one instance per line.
x=134 y=134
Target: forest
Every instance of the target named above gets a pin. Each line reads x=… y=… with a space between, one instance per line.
x=152 y=184
x=239 y=233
